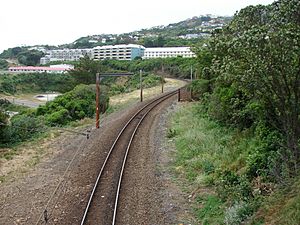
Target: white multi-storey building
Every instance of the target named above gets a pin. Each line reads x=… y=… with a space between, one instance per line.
x=167 y=52
x=65 y=55
x=118 y=52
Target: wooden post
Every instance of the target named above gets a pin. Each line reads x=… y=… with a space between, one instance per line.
x=162 y=83
x=97 y=101
x=179 y=95
x=191 y=82
x=141 y=85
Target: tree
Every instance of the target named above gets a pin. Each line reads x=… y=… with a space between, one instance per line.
x=3 y=64
x=257 y=67
x=85 y=71
x=30 y=58
x=3 y=124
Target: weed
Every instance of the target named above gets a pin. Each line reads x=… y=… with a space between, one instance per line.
x=211 y=211
x=171 y=133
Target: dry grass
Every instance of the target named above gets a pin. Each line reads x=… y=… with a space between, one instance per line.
x=134 y=96
x=23 y=157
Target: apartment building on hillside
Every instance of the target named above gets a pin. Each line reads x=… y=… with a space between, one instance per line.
x=118 y=52
x=65 y=55
x=167 y=52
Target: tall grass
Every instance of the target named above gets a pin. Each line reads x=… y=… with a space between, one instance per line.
x=204 y=150
x=214 y=161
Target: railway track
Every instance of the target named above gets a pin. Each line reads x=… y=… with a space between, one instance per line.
x=102 y=205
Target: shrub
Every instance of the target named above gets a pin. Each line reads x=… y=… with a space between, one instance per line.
x=74 y=105
x=3 y=122
x=23 y=127
x=233 y=187
x=267 y=159
x=8 y=86
x=199 y=88
x=59 y=117
x=171 y=133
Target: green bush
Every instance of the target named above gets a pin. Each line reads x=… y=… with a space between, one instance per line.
x=74 y=105
x=3 y=124
x=37 y=82
x=3 y=64
x=266 y=160
x=58 y=117
x=22 y=128
x=199 y=88
x=8 y=86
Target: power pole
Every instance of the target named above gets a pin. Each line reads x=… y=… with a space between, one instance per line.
x=97 y=101
x=141 y=85
x=162 y=83
x=191 y=92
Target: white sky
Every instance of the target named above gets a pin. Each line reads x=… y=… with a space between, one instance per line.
x=53 y=22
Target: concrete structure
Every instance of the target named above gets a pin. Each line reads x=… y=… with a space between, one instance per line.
x=39 y=69
x=65 y=55
x=44 y=60
x=118 y=52
x=167 y=52
x=63 y=66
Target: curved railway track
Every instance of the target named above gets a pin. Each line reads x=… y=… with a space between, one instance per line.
x=102 y=205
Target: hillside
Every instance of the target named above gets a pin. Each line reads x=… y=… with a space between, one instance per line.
x=183 y=33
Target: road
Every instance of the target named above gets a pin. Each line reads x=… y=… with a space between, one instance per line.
x=24 y=102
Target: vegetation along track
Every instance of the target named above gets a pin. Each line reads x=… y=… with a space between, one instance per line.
x=103 y=202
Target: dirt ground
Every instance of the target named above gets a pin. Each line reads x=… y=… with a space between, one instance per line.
x=31 y=177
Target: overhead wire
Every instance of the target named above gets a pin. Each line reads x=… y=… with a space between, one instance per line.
x=47 y=213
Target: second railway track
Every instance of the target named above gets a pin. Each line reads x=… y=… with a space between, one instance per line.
x=102 y=206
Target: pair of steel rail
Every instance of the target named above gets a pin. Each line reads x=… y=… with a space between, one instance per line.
x=132 y=125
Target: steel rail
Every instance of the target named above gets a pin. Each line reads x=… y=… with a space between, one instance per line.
x=126 y=154
x=113 y=146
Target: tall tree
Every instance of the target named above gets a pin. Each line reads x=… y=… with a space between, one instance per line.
x=85 y=71
x=256 y=59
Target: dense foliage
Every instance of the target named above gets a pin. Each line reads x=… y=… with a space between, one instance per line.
x=20 y=127
x=250 y=84
x=85 y=71
x=73 y=105
x=253 y=79
x=3 y=64
x=36 y=82
x=176 y=67
x=3 y=122
x=24 y=55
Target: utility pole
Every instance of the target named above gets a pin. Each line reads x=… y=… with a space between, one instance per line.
x=141 y=85
x=191 y=93
x=162 y=83
x=97 y=101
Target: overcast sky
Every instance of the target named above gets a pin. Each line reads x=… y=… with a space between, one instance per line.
x=53 y=22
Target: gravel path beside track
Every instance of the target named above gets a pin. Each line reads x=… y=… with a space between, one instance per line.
x=155 y=199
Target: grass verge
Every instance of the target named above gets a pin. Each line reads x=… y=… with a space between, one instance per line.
x=213 y=160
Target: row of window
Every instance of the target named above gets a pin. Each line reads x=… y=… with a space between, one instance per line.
x=178 y=53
